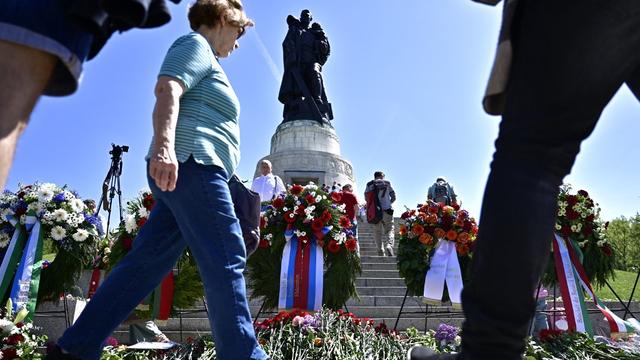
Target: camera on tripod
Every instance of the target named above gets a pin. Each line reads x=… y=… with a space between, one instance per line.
x=117 y=150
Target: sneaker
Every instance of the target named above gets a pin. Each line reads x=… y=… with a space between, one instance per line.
x=424 y=353
x=55 y=353
x=389 y=250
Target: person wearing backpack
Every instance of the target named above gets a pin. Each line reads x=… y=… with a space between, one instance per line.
x=267 y=185
x=442 y=192
x=380 y=196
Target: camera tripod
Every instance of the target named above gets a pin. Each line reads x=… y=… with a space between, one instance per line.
x=111 y=184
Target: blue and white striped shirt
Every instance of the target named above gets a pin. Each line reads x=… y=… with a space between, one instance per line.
x=207 y=126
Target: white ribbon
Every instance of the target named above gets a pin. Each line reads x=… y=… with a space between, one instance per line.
x=572 y=285
x=444 y=268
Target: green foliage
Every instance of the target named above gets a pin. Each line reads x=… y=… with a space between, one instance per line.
x=413 y=263
x=576 y=346
x=624 y=236
x=622 y=284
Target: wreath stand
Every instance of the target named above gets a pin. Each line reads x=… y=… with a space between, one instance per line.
x=633 y=291
x=426 y=312
x=64 y=313
x=205 y=309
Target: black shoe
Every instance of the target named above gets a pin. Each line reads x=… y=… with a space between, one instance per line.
x=55 y=353
x=424 y=353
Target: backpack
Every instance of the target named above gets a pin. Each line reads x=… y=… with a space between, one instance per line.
x=441 y=193
x=373 y=209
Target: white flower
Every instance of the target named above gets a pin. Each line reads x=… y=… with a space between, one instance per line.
x=4 y=240
x=558 y=227
x=318 y=198
x=285 y=209
x=77 y=205
x=45 y=194
x=80 y=235
x=143 y=212
x=68 y=195
x=6 y=326
x=23 y=219
x=60 y=215
x=601 y=243
x=268 y=237
x=107 y=251
x=58 y=233
x=130 y=224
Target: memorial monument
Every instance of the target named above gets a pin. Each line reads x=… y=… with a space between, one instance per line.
x=305 y=147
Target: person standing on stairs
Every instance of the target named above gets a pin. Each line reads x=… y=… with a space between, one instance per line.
x=383 y=230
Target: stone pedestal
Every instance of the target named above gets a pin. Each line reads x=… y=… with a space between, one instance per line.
x=306 y=150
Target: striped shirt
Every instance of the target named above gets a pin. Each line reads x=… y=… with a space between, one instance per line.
x=207 y=126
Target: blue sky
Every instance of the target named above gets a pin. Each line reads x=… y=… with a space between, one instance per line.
x=405 y=80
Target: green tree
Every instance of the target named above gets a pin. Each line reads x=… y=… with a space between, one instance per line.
x=624 y=236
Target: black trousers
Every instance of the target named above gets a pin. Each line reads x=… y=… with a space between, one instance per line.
x=570 y=58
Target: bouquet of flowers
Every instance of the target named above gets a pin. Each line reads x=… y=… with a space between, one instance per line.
x=17 y=340
x=420 y=233
x=310 y=214
x=578 y=220
x=187 y=285
x=68 y=231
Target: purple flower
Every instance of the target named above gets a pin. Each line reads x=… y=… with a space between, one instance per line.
x=59 y=198
x=446 y=333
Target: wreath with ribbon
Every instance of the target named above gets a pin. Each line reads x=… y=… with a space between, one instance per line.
x=307 y=256
x=434 y=233
x=578 y=222
x=47 y=237
x=178 y=290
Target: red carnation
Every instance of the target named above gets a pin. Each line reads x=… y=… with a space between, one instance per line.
x=140 y=222
x=326 y=216
x=548 y=334
x=405 y=215
x=14 y=339
x=300 y=210
x=351 y=244
x=310 y=199
x=572 y=214
x=277 y=203
x=127 y=242
x=317 y=224
x=333 y=247
x=148 y=201
x=10 y=353
x=289 y=217
x=336 y=196
x=296 y=189
x=263 y=244
x=344 y=222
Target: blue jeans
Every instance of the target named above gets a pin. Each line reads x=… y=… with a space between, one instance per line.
x=198 y=214
x=570 y=58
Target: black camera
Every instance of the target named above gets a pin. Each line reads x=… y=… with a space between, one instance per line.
x=117 y=150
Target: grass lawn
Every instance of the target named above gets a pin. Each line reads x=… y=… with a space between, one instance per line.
x=622 y=284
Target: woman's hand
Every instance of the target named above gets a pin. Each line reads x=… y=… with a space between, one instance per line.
x=163 y=167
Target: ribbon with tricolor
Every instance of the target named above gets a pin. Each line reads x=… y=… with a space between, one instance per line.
x=574 y=283
x=24 y=292
x=444 y=267
x=94 y=283
x=302 y=272
x=163 y=299
x=12 y=255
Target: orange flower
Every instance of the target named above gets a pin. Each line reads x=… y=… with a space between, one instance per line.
x=403 y=230
x=459 y=222
x=426 y=239
x=474 y=230
x=438 y=233
x=432 y=219
x=417 y=229
x=462 y=249
x=317 y=342
x=452 y=235
x=448 y=209
x=463 y=238
x=422 y=216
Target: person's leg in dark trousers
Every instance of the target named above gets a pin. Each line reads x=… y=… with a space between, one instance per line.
x=154 y=253
x=570 y=57
x=204 y=212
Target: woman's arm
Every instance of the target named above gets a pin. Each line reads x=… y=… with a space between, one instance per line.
x=163 y=164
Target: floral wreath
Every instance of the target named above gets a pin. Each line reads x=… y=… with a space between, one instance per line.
x=68 y=231
x=187 y=286
x=578 y=220
x=307 y=211
x=419 y=236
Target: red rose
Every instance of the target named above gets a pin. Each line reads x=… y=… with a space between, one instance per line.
x=310 y=199
x=20 y=325
x=289 y=217
x=590 y=218
x=303 y=239
x=572 y=214
x=140 y=222
x=263 y=244
x=317 y=224
x=583 y=193
x=14 y=339
x=587 y=230
x=296 y=189
x=344 y=222
x=456 y=207
x=326 y=216
x=405 y=215
x=336 y=196
x=10 y=353
x=565 y=231
x=548 y=334
x=300 y=210
x=277 y=203
x=351 y=244
x=148 y=201
x=434 y=209
x=417 y=229
x=333 y=247
x=572 y=200
x=127 y=242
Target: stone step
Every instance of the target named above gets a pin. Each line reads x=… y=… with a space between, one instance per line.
x=382 y=300
x=379 y=266
x=377 y=259
x=382 y=291
x=379 y=282
x=387 y=274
